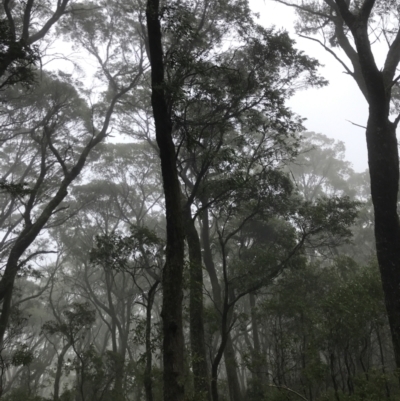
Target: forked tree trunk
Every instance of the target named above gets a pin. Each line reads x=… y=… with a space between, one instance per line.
x=376 y=85
x=226 y=349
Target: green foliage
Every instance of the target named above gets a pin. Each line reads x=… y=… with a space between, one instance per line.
x=78 y=317
x=19 y=394
x=97 y=374
x=22 y=357
x=15 y=189
x=327 y=221
x=121 y=252
x=18 y=59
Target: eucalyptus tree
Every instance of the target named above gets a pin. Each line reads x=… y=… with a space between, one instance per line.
x=22 y=27
x=72 y=324
x=320 y=168
x=51 y=161
x=324 y=333
x=192 y=106
x=210 y=138
x=353 y=26
x=113 y=255
x=260 y=234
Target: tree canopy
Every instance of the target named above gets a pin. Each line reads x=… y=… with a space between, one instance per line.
x=169 y=230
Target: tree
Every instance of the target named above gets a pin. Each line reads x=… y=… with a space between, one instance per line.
x=173 y=340
x=72 y=325
x=349 y=25
x=18 y=53
x=51 y=156
x=205 y=113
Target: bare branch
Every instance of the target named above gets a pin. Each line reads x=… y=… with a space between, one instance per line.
x=348 y=71
x=357 y=125
x=288 y=389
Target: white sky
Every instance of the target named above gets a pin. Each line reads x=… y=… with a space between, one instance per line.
x=328 y=109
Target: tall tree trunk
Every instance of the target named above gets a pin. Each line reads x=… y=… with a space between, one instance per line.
x=383 y=157
x=173 y=270
x=383 y=161
x=197 y=342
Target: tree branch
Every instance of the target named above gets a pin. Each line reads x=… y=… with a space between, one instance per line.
x=348 y=71
x=50 y=22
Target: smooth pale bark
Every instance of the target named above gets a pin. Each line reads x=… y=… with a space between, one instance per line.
x=197 y=343
x=235 y=393
x=258 y=359
x=173 y=341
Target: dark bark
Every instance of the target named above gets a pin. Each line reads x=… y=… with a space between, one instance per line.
x=173 y=342
x=19 y=48
x=197 y=342
x=383 y=157
x=376 y=85
x=383 y=160
x=384 y=172
x=148 y=381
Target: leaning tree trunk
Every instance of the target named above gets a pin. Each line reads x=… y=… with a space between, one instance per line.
x=197 y=343
x=173 y=341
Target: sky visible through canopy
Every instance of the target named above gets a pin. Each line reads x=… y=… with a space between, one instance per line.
x=330 y=110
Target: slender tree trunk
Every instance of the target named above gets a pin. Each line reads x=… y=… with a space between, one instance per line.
x=197 y=342
x=225 y=349
x=258 y=359
x=148 y=381
x=235 y=393
x=60 y=360
x=173 y=342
